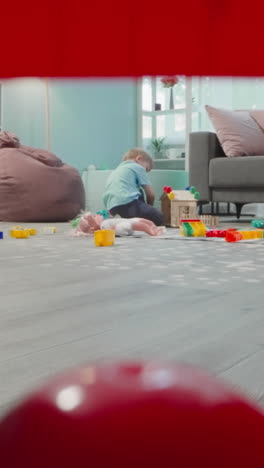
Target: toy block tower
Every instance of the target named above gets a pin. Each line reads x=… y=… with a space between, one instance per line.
x=178 y=204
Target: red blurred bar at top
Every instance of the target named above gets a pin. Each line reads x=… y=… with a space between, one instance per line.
x=131 y=38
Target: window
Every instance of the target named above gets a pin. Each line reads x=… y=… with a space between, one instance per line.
x=164 y=117
x=173 y=123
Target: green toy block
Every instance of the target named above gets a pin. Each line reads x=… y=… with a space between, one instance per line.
x=188 y=230
x=258 y=223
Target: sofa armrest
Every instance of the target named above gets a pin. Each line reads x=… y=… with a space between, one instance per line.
x=204 y=146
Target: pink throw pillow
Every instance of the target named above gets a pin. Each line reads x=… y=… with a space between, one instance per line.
x=258 y=116
x=239 y=132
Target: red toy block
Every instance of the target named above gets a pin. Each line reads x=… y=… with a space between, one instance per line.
x=167 y=189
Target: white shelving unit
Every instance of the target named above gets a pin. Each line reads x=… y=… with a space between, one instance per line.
x=180 y=110
x=172 y=124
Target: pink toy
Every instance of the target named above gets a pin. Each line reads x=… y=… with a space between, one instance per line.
x=123 y=227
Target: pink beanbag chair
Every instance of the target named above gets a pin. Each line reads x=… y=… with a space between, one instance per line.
x=35 y=185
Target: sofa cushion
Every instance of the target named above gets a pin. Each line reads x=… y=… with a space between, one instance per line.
x=239 y=132
x=258 y=116
x=239 y=172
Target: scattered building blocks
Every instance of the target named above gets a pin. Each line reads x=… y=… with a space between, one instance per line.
x=104 y=237
x=233 y=235
x=258 y=223
x=194 y=192
x=167 y=189
x=182 y=195
x=216 y=233
x=192 y=228
x=103 y=213
x=14 y=231
x=20 y=233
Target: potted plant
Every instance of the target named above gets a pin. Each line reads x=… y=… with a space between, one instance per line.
x=157 y=145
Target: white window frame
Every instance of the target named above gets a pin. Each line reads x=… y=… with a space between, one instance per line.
x=187 y=109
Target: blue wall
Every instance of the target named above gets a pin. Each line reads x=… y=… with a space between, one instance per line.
x=24 y=110
x=91 y=121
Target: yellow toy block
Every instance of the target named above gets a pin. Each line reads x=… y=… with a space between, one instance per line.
x=104 y=238
x=171 y=196
x=254 y=234
x=14 y=228
x=199 y=229
x=192 y=228
x=20 y=233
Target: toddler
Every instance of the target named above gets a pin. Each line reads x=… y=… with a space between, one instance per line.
x=123 y=195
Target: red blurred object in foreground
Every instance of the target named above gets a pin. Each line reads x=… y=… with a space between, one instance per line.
x=133 y=416
x=52 y=38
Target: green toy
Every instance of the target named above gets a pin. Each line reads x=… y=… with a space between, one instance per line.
x=194 y=192
x=103 y=213
x=188 y=230
x=75 y=222
x=258 y=223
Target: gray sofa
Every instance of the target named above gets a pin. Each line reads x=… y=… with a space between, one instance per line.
x=238 y=180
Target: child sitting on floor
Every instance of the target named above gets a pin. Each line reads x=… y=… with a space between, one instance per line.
x=123 y=194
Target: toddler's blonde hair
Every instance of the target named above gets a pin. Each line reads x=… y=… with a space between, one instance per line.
x=134 y=152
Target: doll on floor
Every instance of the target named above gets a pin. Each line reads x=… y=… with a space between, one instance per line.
x=88 y=223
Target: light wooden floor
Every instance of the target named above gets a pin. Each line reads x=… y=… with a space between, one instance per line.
x=64 y=302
